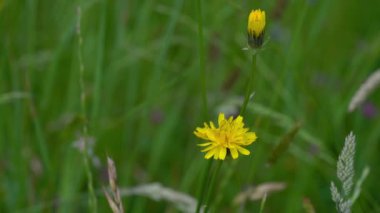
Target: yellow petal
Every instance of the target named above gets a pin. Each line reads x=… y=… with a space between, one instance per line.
x=205 y=144
x=221 y=119
x=212 y=125
x=201 y=135
x=209 y=154
x=198 y=129
x=222 y=153
x=239 y=120
x=250 y=137
x=211 y=135
x=244 y=130
x=208 y=148
x=216 y=156
x=230 y=119
x=234 y=153
x=242 y=150
x=238 y=124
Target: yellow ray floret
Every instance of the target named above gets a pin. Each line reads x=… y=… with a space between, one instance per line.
x=228 y=138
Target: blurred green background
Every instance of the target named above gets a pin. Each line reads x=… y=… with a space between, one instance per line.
x=142 y=87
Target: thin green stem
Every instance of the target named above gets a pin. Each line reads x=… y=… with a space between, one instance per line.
x=212 y=185
x=92 y=197
x=248 y=93
x=226 y=179
x=202 y=61
x=263 y=201
x=202 y=191
x=249 y=84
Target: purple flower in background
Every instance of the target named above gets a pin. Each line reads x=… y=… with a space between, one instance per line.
x=369 y=110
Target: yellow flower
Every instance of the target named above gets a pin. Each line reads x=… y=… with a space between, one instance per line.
x=229 y=137
x=256 y=26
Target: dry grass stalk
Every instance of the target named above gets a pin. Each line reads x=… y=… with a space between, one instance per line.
x=372 y=82
x=156 y=191
x=113 y=195
x=259 y=192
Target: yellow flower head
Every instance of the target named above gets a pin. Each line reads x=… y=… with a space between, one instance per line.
x=229 y=137
x=256 y=26
x=256 y=22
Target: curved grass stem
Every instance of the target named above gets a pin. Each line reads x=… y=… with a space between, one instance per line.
x=249 y=88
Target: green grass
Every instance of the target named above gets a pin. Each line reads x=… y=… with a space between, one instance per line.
x=143 y=97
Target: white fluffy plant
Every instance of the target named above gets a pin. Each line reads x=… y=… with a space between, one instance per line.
x=345 y=198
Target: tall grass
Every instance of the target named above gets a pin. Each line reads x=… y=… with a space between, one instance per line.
x=143 y=100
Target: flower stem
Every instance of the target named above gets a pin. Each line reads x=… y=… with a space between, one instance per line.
x=212 y=184
x=203 y=189
x=202 y=63
x=249 y=84
x=226 y=179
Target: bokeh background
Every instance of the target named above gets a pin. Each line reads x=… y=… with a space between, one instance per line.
x=143 y=102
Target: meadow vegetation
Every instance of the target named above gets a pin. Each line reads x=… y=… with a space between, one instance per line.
x=83 y=80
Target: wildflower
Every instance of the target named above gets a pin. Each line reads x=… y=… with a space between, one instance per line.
x=256 y=26
x=229 y=138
